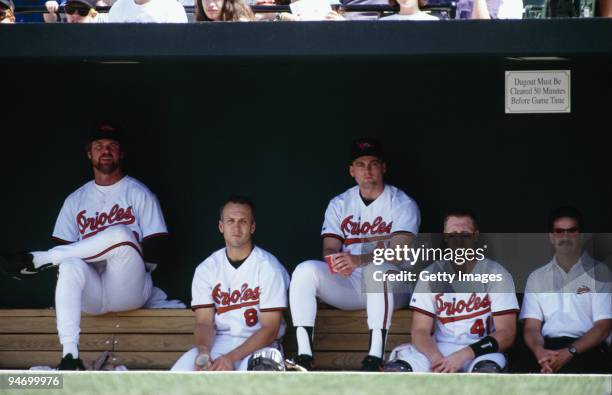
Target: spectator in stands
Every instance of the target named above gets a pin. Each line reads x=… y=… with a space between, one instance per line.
x=223 y=10
x=7 y=11
x=147 y=11
x=409 y=11
x=489 y=9
x=76 y=11
x=567 y=309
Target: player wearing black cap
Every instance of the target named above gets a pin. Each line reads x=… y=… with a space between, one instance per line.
x=366 y=217
x=104 y=229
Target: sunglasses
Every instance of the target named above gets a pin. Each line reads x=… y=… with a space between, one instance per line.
x=570 y=231
x=71 y=8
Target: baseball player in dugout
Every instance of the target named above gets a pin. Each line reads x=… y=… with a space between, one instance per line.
x=239 y=294
x=567 y=309
x=472 y=322
x=107 y=230
x=370 y=215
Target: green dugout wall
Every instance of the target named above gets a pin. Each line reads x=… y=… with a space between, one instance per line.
x=267 y=110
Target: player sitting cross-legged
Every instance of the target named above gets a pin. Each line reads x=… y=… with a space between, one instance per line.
x=109 y=228
x=368 y=216
x=238 y=295
x=472 y=322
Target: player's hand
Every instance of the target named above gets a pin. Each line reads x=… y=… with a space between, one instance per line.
x=454 y=362
x=562 y=358
x=345 y=263
x=203 y=357
x=544 y=358
x=223 y=363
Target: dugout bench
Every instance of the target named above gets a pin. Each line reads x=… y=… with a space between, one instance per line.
x=154 y=339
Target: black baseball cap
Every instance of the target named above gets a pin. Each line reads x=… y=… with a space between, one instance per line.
x=105 y=130
x=88 y=3
x=366 y=146
x=8 y=3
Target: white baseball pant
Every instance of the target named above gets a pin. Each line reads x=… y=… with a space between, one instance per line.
x=97 y=275
x=222 y=345
x=420 y=363
x=312 y=279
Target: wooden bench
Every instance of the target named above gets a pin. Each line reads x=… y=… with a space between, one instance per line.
x=155 y=339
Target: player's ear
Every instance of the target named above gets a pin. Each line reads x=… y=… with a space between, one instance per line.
x=352 y=170
x=221 y=226
x=384 y=167
x=253 y=226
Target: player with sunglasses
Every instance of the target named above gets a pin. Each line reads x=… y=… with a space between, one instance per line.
x=567 y=309
x=75 y=11
x=7 y=11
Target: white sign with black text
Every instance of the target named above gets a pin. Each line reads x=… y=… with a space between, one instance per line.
x=538 y=91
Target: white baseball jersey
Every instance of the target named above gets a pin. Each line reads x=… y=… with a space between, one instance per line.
x=363 y=228
x=93 y=208
x=239 y=295
x=569 y=303
x=153 y=11
x=465 y=317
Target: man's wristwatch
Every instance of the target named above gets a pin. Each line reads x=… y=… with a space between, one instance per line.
x=572 y=350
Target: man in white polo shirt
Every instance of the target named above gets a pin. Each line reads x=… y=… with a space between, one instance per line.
x=567 y=309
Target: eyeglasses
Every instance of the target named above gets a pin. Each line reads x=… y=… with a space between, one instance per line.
x=570 y=231
x=6 y=13
x=71 y=8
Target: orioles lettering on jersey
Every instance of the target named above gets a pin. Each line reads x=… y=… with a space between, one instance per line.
x=103 y=220
x=378 y=226
x=474 y=304
x=236 y=299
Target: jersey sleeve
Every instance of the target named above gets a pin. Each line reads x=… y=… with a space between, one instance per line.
x=274 y=282
x=332 y=220
x=503 y=295
x=406 y=216
x=150 y=217
x=201 y=289
x=531 y=306
x=65 y=229
x=423 y=299
x=602 y=300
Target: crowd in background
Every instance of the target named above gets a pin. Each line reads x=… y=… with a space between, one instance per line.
x=173 y=11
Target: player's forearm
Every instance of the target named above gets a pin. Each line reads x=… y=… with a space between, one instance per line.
x=204 y=336
x=258 y=340
x=505 y=338
x=594 y=337
x=533 y=339
x=425 y=343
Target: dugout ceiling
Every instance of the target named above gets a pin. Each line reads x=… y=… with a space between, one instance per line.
x=267 y=110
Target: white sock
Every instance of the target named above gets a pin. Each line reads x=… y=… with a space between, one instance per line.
x=41 y=258
x=303 y=341
x=71 y=348
x=376 y=347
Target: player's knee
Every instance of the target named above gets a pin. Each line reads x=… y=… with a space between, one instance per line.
x=269 y=359
x=72 y=265
x=487 y=366
x=305 y=271
x=397 y=366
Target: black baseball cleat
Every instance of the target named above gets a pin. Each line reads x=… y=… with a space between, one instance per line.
x=69 y=363
x=304 y=361
x=372 y=364
x=19 y=265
